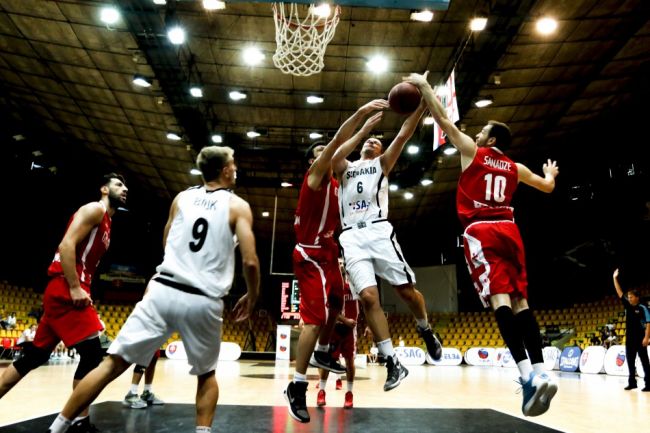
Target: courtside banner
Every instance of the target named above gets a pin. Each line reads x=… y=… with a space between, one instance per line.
x=283 y=342
x=551 y=357
x=175 y=350
x=592 y=360
x=450 y=356
x=616 y=361
x=410 y=355
x=504 y=358
x=570 y=359
x=485 y=356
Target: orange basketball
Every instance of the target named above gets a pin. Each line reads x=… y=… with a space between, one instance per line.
x=404 y=98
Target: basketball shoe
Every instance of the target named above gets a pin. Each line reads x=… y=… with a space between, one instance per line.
x=320 y=401
x=296 y=396
x=150 y=399
x=396 y=372
x=433 y=344
x=83 y=426
x=534 y=389
x=322 y=359
x=348 y=400
x=551 y=390
x=133 y=401
x=339 y=384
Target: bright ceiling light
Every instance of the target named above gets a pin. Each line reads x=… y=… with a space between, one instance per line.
x=426 y=182
x=265 y=214
x=217 y=138
x=253 y=134
x=176 y=35
x=315 y=135
x=252 y=56
x=393 y=187
x=483 y=102
x=412 y=149
x=173 y=136
x=286 y=184
x=213 y=5
x=428 y=120
x=109 y=15
x=313 y=99
x=195 y=172
x=160 y=2
x=422 y=16
x=477 y=24
x=377 y=64
x=236 y=95
x=449 y=151
x=323 y=10
x=408 y=195
x=197 y=92
x=141 y=81
x=546 y=25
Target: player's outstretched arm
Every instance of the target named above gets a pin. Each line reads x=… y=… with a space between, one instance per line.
x=544 y=184
x=242 y=218
x=617 y=285
x=392 y=153
x=339 y=161
x=463 y=142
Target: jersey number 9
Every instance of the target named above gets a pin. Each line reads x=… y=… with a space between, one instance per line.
x=199 y=232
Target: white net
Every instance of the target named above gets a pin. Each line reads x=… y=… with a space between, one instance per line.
x=301 y=44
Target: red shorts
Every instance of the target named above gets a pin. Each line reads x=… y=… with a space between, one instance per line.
x=344 y=342
x=62 y=320
x=494 y=253
x=319 y=280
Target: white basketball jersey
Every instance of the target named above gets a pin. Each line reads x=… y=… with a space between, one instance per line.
x=363 y=194
x=200 y=248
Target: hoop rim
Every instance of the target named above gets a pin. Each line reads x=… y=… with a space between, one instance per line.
x=293 y=25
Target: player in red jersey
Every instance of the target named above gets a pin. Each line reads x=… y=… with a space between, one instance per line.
x=315 y=257
x=493 y=247
x=69 y=314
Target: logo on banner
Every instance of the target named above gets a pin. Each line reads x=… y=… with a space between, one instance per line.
x=172 y=348
x=570 y=358
x=410 y=355
x=584 y=358
x=483 y=354
x=620 y=359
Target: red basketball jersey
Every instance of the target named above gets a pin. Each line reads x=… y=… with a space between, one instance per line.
x=317 y=215
x=486 y=187
x=89 y=251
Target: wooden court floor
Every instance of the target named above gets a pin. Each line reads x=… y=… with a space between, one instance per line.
x=584 y=404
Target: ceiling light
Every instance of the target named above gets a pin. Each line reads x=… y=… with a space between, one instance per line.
x=315 y=135
x=197 y=92
x=217 y=138
x=195 y=172
x=237 y=95
x=477 y=24
x=412 y=149
x=408 y=195
x=546 y=25
x=450 y=151
x=173 y=136
x=286 y=184
x=429 y=120
x=252 y=56
x=18 y=137
x=313 y=99
x=159 y=2
x=426 y=182
x=323 y=10
x=483 y=102
x=424 y=16
x=213 y=5
x=176 y=35
x=265 y=214
x=393 y=187
x=141 y=81
x=253 y=134
x=377 y=64
x=109 y=15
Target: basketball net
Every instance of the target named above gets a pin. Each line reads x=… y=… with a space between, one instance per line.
x=301 y=44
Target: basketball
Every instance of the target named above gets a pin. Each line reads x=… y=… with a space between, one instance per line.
x=404 y=98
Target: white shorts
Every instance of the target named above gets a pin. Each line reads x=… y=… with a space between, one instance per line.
x=163 y=310
x=372 y=250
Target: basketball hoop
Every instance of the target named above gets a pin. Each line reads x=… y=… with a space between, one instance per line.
x=301 y=44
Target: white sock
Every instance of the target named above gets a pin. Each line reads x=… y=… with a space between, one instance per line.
x=539 y=368
x=134 y=388
x=322 y=347
x=525 y=368
x=79 y=418
x=297 y=377
x=350 y=385
x=147 y=387
x=203 y=429
x=386 y=347
x=322 y=383
x=422 y=323
x=60 y=424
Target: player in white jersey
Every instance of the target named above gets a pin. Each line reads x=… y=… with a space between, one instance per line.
x=185 y=295
x=369 y=244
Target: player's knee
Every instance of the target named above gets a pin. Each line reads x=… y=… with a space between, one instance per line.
x=33 y=357
x=139 y=369
x=91 y=354
x=369 y=299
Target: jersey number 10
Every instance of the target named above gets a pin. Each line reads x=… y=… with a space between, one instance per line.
x=496 y=191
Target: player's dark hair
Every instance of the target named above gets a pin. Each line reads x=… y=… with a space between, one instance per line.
x=501 y=132
x=212 y=159
x=635 y=292
x=106 y=179
x=309 y=153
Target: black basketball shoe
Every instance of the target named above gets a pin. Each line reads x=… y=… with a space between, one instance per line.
x=321 y=359
x=396 y=372
x=296 y=396
x=433 y=344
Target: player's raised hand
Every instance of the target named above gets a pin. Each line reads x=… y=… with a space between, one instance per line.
x=371 y=122
x=418 y=80
x=244 y=308
x=551 y=168
x=374 y=105
x=616 y=273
